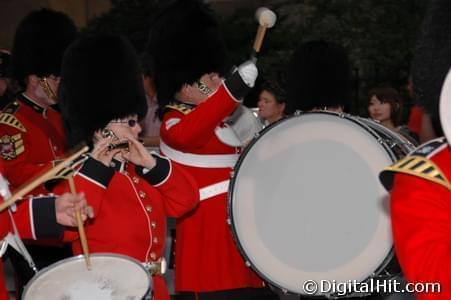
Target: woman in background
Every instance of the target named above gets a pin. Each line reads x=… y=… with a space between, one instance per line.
x=384 y=106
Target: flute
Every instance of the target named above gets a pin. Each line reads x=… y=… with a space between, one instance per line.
x=123 y=145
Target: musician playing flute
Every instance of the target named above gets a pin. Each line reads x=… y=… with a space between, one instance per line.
x=132 y=191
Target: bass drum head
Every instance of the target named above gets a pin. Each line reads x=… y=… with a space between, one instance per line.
x=112 y=276
x=306 y=203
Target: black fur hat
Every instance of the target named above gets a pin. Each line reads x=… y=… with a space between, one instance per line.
x=319 y=75
x=185 y=43
x=100 y=81
x=39 y=44
x=432 y=59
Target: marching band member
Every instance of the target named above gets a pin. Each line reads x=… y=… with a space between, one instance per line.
x=420 y=183
x=132 y=192
x=195 y=101
x=31 y=131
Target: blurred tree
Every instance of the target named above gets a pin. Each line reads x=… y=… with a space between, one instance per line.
x=379 y=35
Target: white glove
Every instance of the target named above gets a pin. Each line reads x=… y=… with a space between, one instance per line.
x=248 y=72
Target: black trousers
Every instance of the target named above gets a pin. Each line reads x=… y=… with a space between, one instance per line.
x=237 y=294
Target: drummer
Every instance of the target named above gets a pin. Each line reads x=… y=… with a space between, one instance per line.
x=195 y=101
x=319 y=79
x=132 y=192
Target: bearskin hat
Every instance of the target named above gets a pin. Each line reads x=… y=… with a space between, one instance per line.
x=432 y=59
x=39 y=44
x=100 y=81
x=185 y=43
x=319 y=75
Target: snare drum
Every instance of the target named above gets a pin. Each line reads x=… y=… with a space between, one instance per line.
x=305 y=202
x=112 y=276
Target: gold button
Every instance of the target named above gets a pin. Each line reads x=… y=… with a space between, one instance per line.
x=155 y=240
x=153 y=256
x=148 y=208
x=142 y=194
x=135 y=179
x=153 y=224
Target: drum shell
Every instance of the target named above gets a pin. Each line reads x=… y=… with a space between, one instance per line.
x=120 y=269
x=389 y=142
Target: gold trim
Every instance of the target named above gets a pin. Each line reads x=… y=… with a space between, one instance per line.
x=47 y=88
x=421 y=164
x=180 y=107
x=11 y=120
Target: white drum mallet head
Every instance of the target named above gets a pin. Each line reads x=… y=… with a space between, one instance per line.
x=266 y=19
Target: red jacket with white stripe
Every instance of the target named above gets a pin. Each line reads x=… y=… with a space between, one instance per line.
x=207 y=258
x=131 y=206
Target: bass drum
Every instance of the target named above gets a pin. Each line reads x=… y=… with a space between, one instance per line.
x=305 y=202
x=112 y=277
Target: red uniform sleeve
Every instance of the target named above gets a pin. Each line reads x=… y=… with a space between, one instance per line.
x=189 y=131
x=421 y=222
x=178 y=188
x=35 y=218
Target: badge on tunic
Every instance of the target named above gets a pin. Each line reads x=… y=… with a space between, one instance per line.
x=11 y=146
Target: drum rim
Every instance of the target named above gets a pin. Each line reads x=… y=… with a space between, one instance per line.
x=81 y=256
x=356 y=119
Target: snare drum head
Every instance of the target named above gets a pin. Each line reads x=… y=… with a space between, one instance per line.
x=111 y=277
x=306 y=202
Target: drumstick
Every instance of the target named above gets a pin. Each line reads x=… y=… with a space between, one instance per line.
x=266 y=19
x=81 y=229
x=43 y=177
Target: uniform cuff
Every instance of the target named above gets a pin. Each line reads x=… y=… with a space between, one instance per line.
x=44 y=218
x=236 y=86
x=98 y=172
x=158 y=174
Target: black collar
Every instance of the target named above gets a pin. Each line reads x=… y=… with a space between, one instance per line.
x=36 y=107
x=118 y=165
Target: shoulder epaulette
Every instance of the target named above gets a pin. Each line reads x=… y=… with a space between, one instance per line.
x=7 y=117
x=11 y=107
x=181 y=107
x=418 y=164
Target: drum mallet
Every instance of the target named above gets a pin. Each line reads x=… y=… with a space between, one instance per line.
x=266 y=19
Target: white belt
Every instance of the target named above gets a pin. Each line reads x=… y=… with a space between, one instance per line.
x=214 y=190
x=199 y=160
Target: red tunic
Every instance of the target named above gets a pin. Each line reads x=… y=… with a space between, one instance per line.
x=131 y=209
x=206 y=256
x=31 y=138
x=421 y=219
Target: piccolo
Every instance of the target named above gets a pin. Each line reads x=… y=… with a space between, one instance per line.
x=123 y=145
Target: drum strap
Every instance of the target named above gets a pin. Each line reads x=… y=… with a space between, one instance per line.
x=199 y=160
x=214 y=190
x=13 y=239
x=16 y=242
